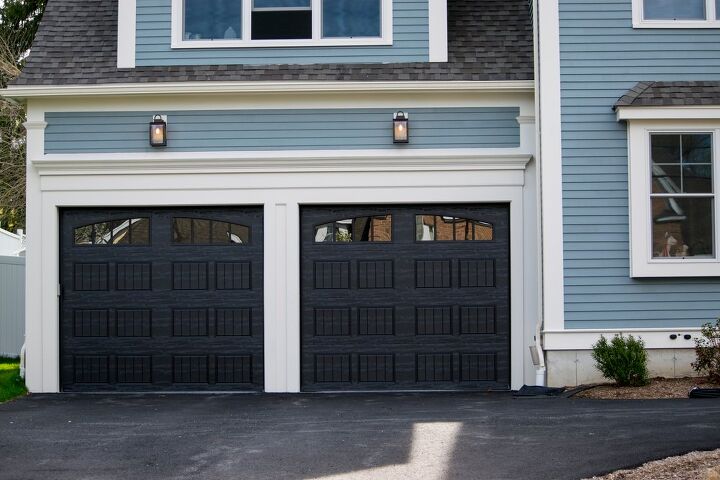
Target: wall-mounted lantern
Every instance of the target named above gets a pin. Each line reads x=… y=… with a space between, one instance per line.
x=158 y=132
x=401 y=132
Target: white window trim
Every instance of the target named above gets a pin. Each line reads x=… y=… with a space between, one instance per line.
x=177 y=40
x=639 y=21
x=642 y=263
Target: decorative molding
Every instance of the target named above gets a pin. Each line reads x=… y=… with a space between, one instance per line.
x=278 y=161
x=438 y=30
x=195 y=88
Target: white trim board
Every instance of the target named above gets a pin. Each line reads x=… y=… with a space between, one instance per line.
x=550 y=160
x=195 y=88
x=438 y=30
x=669 y=113
x=127 y=13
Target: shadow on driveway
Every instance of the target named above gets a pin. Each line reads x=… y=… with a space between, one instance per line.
x=351 y=436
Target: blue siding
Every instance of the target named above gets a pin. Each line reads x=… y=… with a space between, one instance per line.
x=410 y=42
x=282 y=130
x=601 y=58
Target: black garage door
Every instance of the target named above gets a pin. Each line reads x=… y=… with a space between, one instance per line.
x=162 y=299
x=405 y=297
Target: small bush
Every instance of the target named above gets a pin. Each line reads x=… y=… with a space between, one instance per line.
x=707 y=351
x=622 y=359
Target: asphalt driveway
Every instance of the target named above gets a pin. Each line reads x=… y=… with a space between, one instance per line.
x=353 y=436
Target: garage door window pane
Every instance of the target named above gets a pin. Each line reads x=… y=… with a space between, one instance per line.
x=121 y=232
x=443 y=228
x=140 y=231
x=84 y=235
x=201 y=231
x=360 y=229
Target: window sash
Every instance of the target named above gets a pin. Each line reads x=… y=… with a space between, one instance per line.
x=711 y=20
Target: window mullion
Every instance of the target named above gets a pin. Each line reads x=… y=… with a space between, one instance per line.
x=710 y=12
x=246 y=20
x=316 y=19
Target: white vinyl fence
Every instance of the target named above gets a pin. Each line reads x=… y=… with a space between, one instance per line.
x=12 y=305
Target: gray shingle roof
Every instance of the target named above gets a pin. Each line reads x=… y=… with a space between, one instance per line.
x=489 y=40
x=646 y=94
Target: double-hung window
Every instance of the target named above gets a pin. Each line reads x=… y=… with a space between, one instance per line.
x=676 y=13
x=674 y=210
x=280 y=23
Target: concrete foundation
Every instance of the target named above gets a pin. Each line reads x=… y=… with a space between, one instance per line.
x=577 y=367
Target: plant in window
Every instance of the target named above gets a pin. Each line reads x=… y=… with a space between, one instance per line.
x=707 y=351
x=622 y=359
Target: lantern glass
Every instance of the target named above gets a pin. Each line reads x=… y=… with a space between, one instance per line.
x=158 y=133
x=401 y=133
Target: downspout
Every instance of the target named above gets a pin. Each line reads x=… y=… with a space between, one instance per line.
x=536 y=351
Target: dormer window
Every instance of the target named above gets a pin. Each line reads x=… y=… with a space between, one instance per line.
x=280 y=23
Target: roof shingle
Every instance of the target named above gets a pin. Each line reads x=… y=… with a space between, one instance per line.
x=488 y=40
x=647 y=94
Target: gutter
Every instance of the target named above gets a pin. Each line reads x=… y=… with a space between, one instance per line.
x=211 y=87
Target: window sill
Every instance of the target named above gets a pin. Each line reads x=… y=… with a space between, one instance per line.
x=335 y=42
x=677 y=24
x=676 y=268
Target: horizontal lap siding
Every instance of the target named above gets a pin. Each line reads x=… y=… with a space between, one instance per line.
x=602 y=57
x=282 y=130
x=410 y=42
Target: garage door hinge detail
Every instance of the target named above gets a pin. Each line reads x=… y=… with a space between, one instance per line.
x=60 y=290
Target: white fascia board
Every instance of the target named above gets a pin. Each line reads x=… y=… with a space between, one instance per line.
x=438 y=35
x=583 y=339
x=698 y=112
x=126 y=33
x=184 y=88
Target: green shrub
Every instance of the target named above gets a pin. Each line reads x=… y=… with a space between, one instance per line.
x=622 y=359
x=707 y=351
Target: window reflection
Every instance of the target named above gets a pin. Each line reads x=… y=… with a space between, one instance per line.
x=132 y=231
x=360 y=229
x=448 y=228
x=200 y=231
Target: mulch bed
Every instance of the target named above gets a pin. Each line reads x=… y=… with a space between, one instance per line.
x=658 y=388
x=693 y=466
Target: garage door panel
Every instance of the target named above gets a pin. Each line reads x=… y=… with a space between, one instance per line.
x=162 y=315
x=405 y=313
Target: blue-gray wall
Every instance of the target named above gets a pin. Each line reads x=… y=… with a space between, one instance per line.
x=601 y=58
x=282 y=130
x=410 y=42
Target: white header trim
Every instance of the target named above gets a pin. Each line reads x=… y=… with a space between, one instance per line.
x=437 y=11
x=184 y=88
x=689 y=112
x=178 y=42
x=126 y=33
